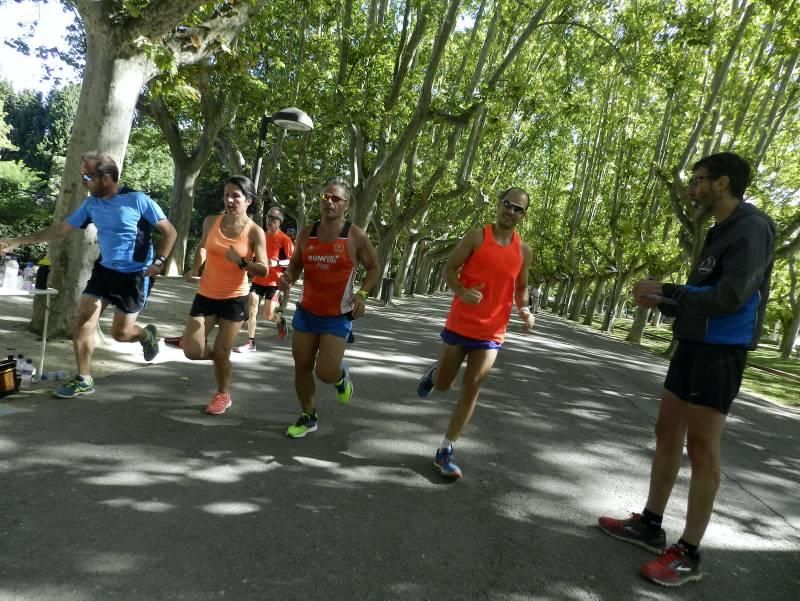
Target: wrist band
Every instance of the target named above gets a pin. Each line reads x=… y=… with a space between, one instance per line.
x=363 y=294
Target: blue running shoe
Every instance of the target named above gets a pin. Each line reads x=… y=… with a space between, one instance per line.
x=74 y=387
x=425 y=384
x=445 y=464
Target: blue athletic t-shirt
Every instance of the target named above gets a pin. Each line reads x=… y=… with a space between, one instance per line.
x=124 y=223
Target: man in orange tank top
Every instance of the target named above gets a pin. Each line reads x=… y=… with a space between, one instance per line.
x=279 y=249
x=487 y=270
x=328 y=251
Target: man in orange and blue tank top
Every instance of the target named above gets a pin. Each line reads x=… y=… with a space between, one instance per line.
x=487 y=271
x=328 y=252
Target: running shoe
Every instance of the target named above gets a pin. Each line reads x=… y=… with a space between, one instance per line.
x=176 y=341
x=445 y=464
x=247 y=347
x=75 y=387
x=219 y=403
x=673 y=568
x=306 y=424
x=344 y=391
x=635 y=531
x=150 y=343
x=425 y=384
x=282 y=326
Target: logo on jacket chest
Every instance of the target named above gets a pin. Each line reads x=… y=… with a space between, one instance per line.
x=707 y=266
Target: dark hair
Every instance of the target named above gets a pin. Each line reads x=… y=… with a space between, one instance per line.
x=104 y=163
x=515 y=189
x=727 y=163
x=247 y=187
x=341 y=182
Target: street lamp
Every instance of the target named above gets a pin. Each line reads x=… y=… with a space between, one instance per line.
x=292 y=119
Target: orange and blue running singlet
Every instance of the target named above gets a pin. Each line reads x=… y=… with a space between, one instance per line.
x=221 y=278
x=497 y=267
x=329 y=274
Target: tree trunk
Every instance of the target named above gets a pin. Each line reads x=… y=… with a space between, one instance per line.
x=608 y=321
x=180 y=215
x=593 y=302
x=545 y=295
x=562 y=310
x=562 y=290
x=655 y=318
x=578 y=300
x=111 y=87
x=790 y=334
x=638 y=325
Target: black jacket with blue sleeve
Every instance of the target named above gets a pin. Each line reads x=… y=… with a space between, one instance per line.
x=725 y=298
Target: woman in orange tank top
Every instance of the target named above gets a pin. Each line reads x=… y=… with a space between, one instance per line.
x=487 y=271
x=232 y=246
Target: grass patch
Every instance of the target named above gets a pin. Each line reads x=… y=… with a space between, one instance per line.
x=764 y=384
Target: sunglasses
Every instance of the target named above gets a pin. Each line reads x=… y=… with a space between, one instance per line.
x=518 y=210
x=695 y=179
x=274 y=217
x=87 y=178
x=326 y=197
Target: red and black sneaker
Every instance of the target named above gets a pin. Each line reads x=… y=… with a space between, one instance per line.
x=673 y=568
x=635 y=531
x=176 y=341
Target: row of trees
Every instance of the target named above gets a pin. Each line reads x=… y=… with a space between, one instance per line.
x=431 y=107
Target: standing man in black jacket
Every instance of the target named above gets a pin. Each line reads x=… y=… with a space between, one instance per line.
x=718 y=317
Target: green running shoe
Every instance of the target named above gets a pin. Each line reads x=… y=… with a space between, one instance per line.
x=74 y=387
x=306 y=424
x=344 y=390
x=150 y=343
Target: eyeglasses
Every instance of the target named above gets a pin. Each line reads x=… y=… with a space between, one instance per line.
x=274 y=217
x=87 y=178
x=695 y=179
x=326 y=197
x=518 y=210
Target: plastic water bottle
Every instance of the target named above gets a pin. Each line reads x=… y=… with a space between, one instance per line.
x=53 y=376
x=27 y=277
x=10 y=272
x=27 y=374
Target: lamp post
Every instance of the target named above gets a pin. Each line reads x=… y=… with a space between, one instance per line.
x=292 y=119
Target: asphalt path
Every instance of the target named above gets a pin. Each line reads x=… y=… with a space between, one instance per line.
x=134 y=494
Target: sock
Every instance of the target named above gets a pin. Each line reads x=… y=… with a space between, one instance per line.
x=84 y=378
x=340 y=383
x=691 y=550
x=446 y=443
x=253 y=339
x=650 y=519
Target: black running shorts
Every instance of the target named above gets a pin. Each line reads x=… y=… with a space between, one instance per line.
x=126 y=291
x=706 y=374
x=232 y=309
x=270 y=292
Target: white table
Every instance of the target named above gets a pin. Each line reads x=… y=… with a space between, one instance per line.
x=47 y=294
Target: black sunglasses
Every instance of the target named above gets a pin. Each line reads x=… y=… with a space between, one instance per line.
x=516 y=208
x=274 y=217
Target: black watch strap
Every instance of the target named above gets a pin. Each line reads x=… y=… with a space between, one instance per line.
x=243 y=263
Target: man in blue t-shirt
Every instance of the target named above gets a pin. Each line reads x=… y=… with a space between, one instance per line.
x=122 y=275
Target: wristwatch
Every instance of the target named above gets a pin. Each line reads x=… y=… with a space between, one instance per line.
x=363 y=294
x=242 y=263
x=159 y=260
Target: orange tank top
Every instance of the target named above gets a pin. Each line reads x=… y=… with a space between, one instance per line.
x=279 y=248
x=329 y=274
x=221 y=278
x=497 y=268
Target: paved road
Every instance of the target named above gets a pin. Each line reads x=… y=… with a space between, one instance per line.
x=135 y=494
